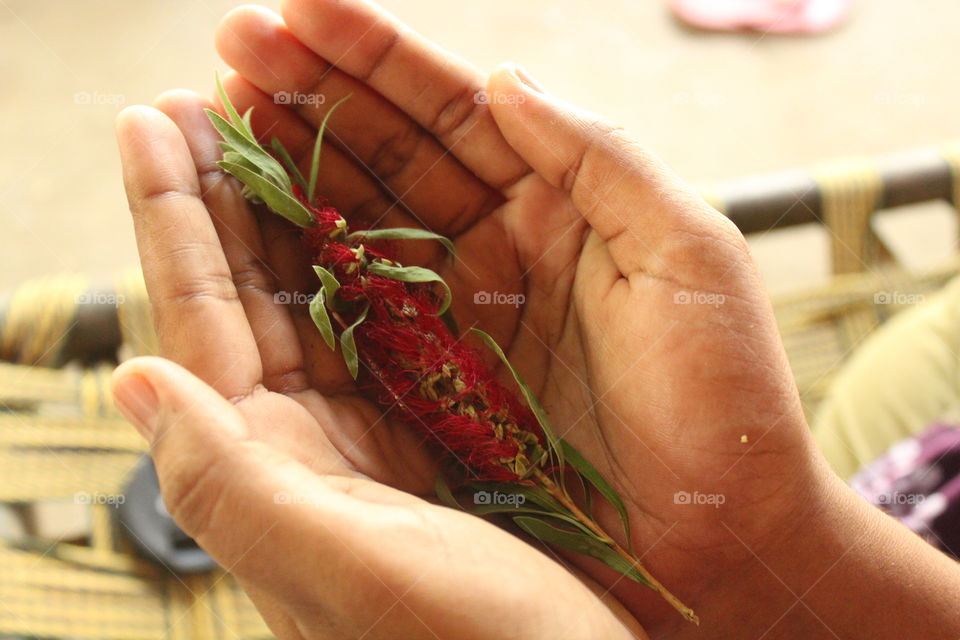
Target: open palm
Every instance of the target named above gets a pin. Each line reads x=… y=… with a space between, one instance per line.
x=643 y=326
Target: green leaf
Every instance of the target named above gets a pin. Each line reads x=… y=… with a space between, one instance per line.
x=247 y=121
x=404 y=233
x=349 y=345
x=532 y=402
x=315 y=158
x=412 y=274
x=242 y=124
x=329 y=281
x=240 y=159
x=588 y=472
x=444 y=495
x=581 y=543
x=587 y=495
x=267 y=166
x=318 y=311
x=278 y=200
x=288 y=162
x=499 y=509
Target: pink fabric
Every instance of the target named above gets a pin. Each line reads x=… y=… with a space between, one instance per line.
x=771 y=16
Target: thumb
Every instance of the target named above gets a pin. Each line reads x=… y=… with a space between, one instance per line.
x=236 y=496
x=625 y=193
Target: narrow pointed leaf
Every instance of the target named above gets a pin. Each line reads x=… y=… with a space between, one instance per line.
x=413 y=274
x=241 y=124
x=239 y=158
x=277 y=199
x=329 y=281
x=267 y=166
x=288 y=162
x=589 y=473
x=315 y=158
x=444 y=494
x=349 y=345
x=318 y=311
x=532 y=402
x=247 y=123
x=404 y=233
x=580 y=543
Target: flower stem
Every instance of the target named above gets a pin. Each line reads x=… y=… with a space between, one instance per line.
x=551 y=487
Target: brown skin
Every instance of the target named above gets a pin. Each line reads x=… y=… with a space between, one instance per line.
x=606 y=244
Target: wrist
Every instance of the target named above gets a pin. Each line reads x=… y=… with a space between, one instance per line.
x=841 y=569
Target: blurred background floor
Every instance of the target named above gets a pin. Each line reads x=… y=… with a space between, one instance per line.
x=713 y=105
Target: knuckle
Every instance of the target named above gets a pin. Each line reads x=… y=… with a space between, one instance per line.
x=600 y=136
x=454 y=113
x=388 y=39
x=192 y=493
x=252 y=275
x=198 y=287
x=393 y=153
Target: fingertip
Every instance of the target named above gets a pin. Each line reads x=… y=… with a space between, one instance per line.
x=135 y=118
x=241 y=28
x=511 y=90
x=179 y=101
x=140 y=129
x=135 y=395
x=187 y=110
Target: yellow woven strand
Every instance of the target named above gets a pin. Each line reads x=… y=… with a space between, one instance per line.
x=851 y=190
x=40 y=314
x=90 y=398
x=135 y=315
x=31 y=386
x=30 y=476
x=26 y=568
x=201 y=613
x=178 y=617
x=37 y=433
x=101 y=534
x=225 y=601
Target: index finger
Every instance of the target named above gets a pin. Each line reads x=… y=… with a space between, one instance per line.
x=197 y=312
x=438 y=90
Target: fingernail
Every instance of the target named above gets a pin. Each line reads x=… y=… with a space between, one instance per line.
x=524 y=76
x=137 y=401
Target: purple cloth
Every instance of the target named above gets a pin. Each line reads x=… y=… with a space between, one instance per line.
x=917 y=481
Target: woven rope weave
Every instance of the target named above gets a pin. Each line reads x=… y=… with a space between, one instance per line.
x=62 y=441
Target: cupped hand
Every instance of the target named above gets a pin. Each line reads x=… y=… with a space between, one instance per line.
x=632 y=308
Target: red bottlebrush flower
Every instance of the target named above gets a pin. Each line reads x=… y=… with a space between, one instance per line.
x=432 y=380
x=391 y=319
